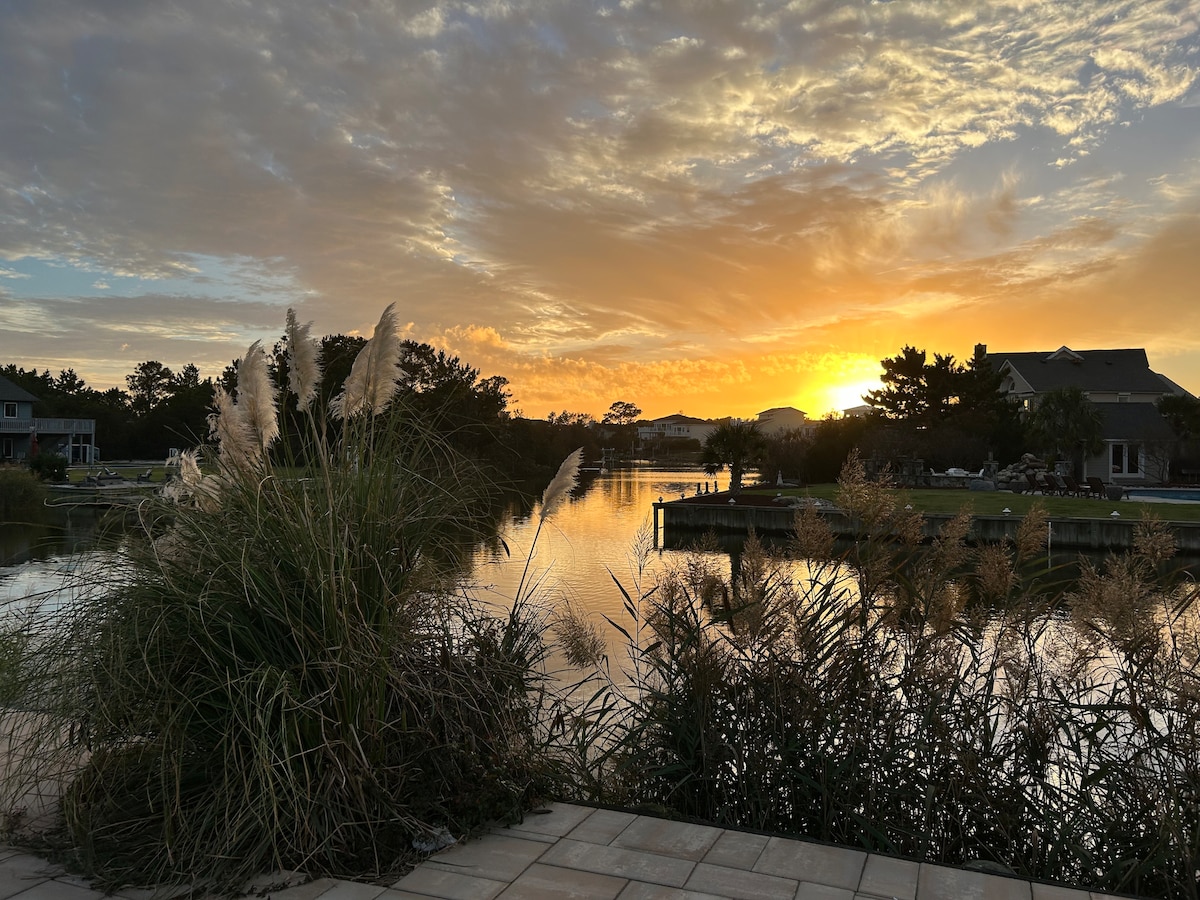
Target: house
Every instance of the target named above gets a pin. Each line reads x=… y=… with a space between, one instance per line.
x=22 y=434
x=784 y=418
x=1137 y=440
x=676 y=426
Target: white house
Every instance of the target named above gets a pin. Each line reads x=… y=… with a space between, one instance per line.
x=784 y=418
x=676 y=426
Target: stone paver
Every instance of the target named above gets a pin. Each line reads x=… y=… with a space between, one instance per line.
x=736 y=849
x=668 y=838
x=603 y=826
x=887 y=876
x=819 y=863
x=541 y=882
x=740 y=884
x=946 y=883
x=570 y=851
x=635 y=865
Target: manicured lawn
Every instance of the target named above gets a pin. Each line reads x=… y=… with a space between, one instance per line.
x=993 y=503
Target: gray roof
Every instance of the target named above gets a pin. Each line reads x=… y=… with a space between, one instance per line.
x=13 y=394
x=1134 y=422
x=1090 y=370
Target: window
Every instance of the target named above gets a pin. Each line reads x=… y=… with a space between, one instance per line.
x=10 y=410
x=1127 y=459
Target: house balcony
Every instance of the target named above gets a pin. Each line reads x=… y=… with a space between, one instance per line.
x=48 y=426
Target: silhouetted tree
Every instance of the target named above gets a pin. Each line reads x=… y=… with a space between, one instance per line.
x=1065 y=421
x=739 y=445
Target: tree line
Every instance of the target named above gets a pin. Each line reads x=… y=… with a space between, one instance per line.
x=931 y=408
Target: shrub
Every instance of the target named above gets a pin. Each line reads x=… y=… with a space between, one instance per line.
x=285 y=673
x=50 y=467
x=20 y=492
x=925 y=700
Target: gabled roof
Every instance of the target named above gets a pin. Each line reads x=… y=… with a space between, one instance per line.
x=13 y=394
x=782 y=410
x=1090 y=370
x=1134 y=422
x=678 y=419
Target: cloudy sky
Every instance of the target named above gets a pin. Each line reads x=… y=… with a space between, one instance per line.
x=700 y=206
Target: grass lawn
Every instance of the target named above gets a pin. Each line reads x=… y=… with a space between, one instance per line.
x=992 y=503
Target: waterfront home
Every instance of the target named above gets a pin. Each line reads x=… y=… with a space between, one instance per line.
x=22 y=433
x=784 y=418
x=676 y=426
x=1138 y=442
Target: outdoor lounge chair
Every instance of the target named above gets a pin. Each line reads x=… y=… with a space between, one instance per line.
x=1052 y=485
x=1035 y=486
x=1074 y=488
x=1096 y=487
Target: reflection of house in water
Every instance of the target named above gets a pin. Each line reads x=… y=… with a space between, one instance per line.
x=21 y=433
x=1122 y=386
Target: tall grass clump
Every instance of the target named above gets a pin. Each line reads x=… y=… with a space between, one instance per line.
x=22 y=493
x=284 y=673
x=922 y=698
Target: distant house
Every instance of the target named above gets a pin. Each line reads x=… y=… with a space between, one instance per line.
x=784 y=418
x=21 y=432
x=1122 y=386
x=677 y=426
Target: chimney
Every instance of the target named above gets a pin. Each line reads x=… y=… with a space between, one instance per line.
x=980 y=351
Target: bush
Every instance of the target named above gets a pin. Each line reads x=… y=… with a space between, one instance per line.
x=21 y=493
x=285 y=674
x=919 y=700
x=49 y=467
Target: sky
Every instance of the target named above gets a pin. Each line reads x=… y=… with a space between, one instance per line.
x=697 y=206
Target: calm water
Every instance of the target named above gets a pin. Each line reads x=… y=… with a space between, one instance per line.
x=594 y=533
x=603 y=531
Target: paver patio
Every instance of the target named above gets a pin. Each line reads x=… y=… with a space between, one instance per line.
x=580 y=852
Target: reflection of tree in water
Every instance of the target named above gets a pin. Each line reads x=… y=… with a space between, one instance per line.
x=58 y=532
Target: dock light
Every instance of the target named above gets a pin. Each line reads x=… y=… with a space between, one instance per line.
x=731 y=500
x=1114 y=515
x=1006 y=511
x=660 y=498
x=908 y=507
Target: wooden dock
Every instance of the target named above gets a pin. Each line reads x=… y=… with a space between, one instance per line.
x=715 y=513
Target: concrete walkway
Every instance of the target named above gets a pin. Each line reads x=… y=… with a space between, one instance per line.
x=598 y=854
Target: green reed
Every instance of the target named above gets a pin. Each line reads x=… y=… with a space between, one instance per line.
x=925 y=700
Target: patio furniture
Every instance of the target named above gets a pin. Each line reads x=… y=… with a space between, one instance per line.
x=1095 y=487
x=1054 y=484
x=1074 y=488
x=1034 y=486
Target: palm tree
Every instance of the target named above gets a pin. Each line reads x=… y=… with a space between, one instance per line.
x=734 y=444
x=1065 y=420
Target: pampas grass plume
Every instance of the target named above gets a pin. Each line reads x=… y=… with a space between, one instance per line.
x=257 y=396
x=375 y=375
x=558 y=488
x=228 y=425
x=304 y=372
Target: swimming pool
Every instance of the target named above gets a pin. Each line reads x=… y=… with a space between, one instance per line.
x=1191 y=495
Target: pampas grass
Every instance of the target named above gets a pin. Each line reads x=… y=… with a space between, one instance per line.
x=304 y=371
x=375 y=375
x=258 y=397
x=285 y=672
x=561 y=484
